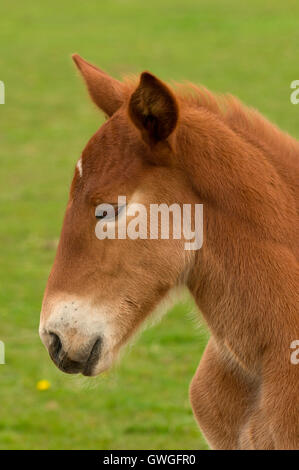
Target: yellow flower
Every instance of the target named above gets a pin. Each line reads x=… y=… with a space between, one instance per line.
x=43 y=385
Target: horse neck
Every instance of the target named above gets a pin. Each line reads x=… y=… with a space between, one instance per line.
x=245 y=276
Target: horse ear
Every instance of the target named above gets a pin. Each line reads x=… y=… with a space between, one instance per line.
x=153 y=109
x=106 y=92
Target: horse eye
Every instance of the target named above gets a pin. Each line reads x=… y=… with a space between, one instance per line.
x=101 y=216
x=108 y=211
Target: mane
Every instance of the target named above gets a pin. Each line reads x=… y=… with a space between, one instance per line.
x=246 y=121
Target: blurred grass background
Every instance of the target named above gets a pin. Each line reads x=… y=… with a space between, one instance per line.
x=247 y=49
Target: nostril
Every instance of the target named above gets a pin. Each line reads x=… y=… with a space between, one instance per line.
x=93 y=356
x=96 y=349
x=55 y=346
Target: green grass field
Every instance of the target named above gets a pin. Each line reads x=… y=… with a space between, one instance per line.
x=247 y=49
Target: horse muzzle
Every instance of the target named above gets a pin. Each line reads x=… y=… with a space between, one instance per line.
x=76 y=337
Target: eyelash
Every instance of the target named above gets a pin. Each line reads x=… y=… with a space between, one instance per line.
x=117 y=209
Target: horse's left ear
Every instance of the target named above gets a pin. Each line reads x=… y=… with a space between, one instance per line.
x=153 y=109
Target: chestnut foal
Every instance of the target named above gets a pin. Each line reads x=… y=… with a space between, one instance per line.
x=158 y=146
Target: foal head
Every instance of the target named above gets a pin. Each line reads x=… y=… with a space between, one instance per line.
x=101 y=290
